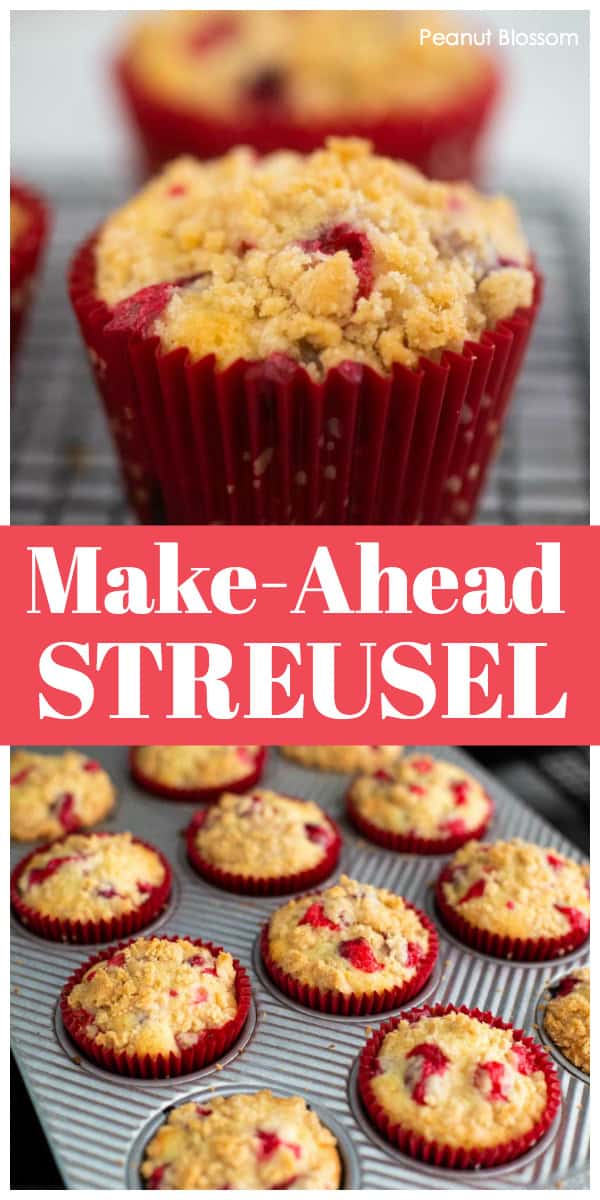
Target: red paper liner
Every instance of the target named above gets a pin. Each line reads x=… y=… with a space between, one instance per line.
x=25 y=256
x=356 y=1005
x=212 y=1044
x=501 y=946
x=411 y=843
x=89 y=932
x=442 y=143
x=410 y=447
x=250 y=885
x=206 y=795
x=440 y=1154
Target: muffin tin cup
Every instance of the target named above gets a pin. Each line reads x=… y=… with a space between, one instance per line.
x=262 y=443
x=499 y=945
x=355 y=1005
x=538 y=1020
x=210 y=1045
x=411 y=843
x=443 y=143
x=199 y=795
x=251 y=885
x=88 y=933
x=441 y=1154
x=25 y=255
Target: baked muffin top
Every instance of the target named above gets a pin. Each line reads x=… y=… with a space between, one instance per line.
x=255 y=1141
x=350 y=938
x=301 y=64
x=91 y=877
x=519 y=889
x=423 y=796
x=343 y=758
x=339 y=255
x=19 y=220
x=567 y=1017
x=264 y=834
x=456 y=1080
x=155 y=996
x=54 y=794
x=195 y=766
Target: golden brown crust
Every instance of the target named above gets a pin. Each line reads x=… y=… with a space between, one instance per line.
x=567 y=1018
x=194 y=766
x=423 y=796
x=263 y=834
x=53 y=794
x=343 y=758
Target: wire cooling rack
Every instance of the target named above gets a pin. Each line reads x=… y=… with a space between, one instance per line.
x=64 y=470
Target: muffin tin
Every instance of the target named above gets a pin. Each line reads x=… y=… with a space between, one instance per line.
x=97 y=1123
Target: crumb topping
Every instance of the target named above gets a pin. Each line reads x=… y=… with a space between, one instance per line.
x=350 y=938
x=567 y=1017
x=155 y=996
x=91 y=878
x=423 y=796
x=255 y=1141
x=195 y=766
x=54 y=794
x=518 y=889
x=264 y=834
x=343 y=758
x=336 y=256
x=459 y=1081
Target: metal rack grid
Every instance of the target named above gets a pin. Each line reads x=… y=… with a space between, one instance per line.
x=63 y=466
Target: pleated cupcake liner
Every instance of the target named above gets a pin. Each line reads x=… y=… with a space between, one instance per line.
x=529 y=949
x=89 y=932
x=25 y=256
x=443 y=143
x=201 y=795
x=412 y=843
x=210 y=1045
x=362 y=1004
x=262 y=443
x=264 y=885
x=441 y=1154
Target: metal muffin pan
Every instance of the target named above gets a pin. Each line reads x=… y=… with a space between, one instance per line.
x=539 y=1014
x=97 y=1123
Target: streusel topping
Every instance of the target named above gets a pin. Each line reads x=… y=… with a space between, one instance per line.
x=423 y=796
x=256 y=1141
x=337 y=255
x=195 y=766
x=54 y=794
x=567 y=1017
x=264 y=834
x=343 y=758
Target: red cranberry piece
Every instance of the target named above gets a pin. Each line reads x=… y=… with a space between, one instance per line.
x=524 y=1057
x=355 y=243
x=245 y=756
x=433 y=1061
x=116 y=960
x=173 y=992
x=107 y=892
x=64 y=808
x=460 y=790
x=510 y=904
x=156 y=1178
x=474 y=892
x=202 y=1111
x=422 y=765
x=91 y=765
x=490 y=1078
x=177 y=189
x=137 y=313
x=358 y=952
x=269 y=1142
x=578 y=920
x=319 y=834
x=200 y=996
x=213 y=33
x=566 y=986
x=454 y=828
x=39 y=874
x=267 y=87
x=416 y=789
x=554 y=861
x=21 y=776
x=383 y=776
x=315 y=916
x=414 y=954
x=198 y=960
x=244 y=247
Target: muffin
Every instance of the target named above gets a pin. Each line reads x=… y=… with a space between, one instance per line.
x=515 y=900
x=156 y=1007
x=29 y=221
x=319 y=339
x=352 y=949
x=257 y=1141
x=420 y=805
x=91 y=887
x=201 y=83
x=54 y=794
x=457 y=1087
x=196 y=772
x=343 y=758
x=567 y=1017
x=263 y=843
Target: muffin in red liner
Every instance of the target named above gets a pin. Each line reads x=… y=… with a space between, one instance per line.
x=174 y=1042
x=100 y=897
x=314 y=412
x=263 y=843
x=514 y=1090
x=55 y=794
x=196 y=773
x=421 y=805
x=29 y=224
x=515 y=900
x=200 y=83
x=309 y=950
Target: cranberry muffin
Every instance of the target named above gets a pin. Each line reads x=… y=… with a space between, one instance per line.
x=263 y=843
x=91 y=887
x=515 y=899
x=352 y=949
x=253 y=1141
x=196 y=772
x=345 y=759
x=567 y=1017
x=54 y=794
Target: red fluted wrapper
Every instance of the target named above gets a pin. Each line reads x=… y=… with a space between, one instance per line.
x=412 y=843
x=440 y=1154
x=200 y=795
x=87 y=933
x=210 y=1046
x=25 y=254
